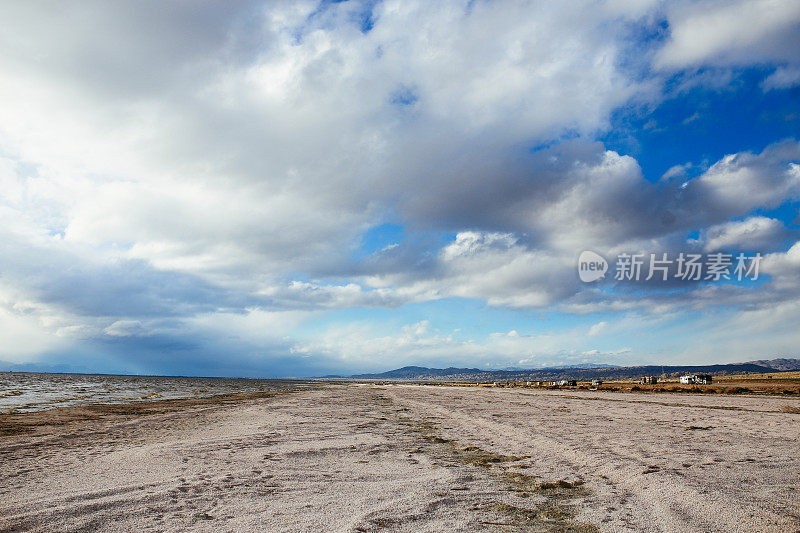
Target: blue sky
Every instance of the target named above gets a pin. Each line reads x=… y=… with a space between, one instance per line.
x=307 y=188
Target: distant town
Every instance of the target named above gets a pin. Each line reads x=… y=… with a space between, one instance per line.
x=780 y=376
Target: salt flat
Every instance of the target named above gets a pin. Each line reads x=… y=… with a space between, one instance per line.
x=355 y=457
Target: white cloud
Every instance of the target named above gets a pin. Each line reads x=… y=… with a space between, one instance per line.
x=785 y=266
x=753 y=233
x=125 y=328
x=782 y=78
x=739 y=183
x=597 y=329
x=715 y=32
x=491 y=266
x=258 y=141
x=24 y=336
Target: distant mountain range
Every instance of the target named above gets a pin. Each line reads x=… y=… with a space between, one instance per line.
x=779 y=364
x=581 y=372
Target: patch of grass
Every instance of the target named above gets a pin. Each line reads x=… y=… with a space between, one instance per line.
x=14 y=428
x=469 y=454
x=520 y=514
x=480 y=457
x=562 y=489
x=738 y=390
x=544 y=518
x=561 y=484
x=434 y=438
x=555 y=514
x=521 y=480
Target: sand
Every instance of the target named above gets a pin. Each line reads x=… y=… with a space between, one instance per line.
x=408 y=458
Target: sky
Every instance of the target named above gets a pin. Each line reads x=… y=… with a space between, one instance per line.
x=276 y=189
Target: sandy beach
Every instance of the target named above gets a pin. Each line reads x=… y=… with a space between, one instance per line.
x=407 y=458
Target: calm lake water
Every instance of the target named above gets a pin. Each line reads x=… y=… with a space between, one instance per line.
x=25 y=392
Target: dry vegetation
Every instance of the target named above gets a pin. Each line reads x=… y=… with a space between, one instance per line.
x=18 y=423
x=558 y=501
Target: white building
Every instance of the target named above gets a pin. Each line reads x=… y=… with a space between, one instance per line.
x=696 y=379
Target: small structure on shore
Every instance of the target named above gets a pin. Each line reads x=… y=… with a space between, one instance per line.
x=696 y=379
x=648 y=380
x=597 y=382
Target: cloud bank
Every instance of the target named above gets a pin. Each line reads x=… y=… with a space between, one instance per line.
x=186 y=188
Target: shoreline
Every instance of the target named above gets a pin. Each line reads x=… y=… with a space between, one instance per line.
x=27 y=422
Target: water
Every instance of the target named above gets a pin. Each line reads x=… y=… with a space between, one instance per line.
x=26 y=392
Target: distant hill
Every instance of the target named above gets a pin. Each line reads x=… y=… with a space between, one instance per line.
x=419 y=373
x=781 y=364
